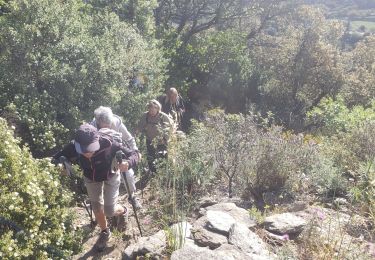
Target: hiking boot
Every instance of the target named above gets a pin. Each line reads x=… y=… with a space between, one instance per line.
x=135 y=200
x=119 y=222
x=103 y=239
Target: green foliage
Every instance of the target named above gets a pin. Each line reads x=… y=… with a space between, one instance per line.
x=347 y=132
x=32 y=198
x=214 y=61
x=349 y=139
x=232 y=138
x=257 y=215
x=34 y=114
x=364 y=191
x=253 y=155
x=138 y=13
x=185 y=175
x=298 y=62
x=72 y=60
x=333 y=116
x=360 y=76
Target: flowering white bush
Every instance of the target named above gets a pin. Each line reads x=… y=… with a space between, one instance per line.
x=34 y=218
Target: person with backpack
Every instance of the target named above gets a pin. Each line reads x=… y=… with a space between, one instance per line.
x=157 y=126
x=105 y=120
x=173 y=105
x=94 y=153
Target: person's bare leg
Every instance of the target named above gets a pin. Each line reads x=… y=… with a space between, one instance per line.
x=101 y=219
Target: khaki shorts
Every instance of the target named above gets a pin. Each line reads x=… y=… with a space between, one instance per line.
x=104 y=194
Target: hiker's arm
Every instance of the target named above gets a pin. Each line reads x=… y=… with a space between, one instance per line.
x=127 y=137
x=132 y=157
x=68 y=152
x=181 y=105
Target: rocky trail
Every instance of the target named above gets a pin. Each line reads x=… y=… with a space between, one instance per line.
x=222 y=230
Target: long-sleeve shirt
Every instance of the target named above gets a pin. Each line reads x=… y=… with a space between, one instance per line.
x=119 y=126
x=157 y=126
x=99 y=166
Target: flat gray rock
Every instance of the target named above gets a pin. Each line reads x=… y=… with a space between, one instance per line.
x=239 y=214
x=153 y=246
x=230 y=252
x=191 y=251
x=219 y=221
x=285 y=223
x=248 y=242
x=204 y=237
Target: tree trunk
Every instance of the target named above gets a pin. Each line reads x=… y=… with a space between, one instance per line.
x=230 y=187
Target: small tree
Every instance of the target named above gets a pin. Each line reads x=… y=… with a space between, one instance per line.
x=230 y=140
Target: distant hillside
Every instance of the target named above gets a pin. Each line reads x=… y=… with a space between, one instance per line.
x=360 y=4
x=359 y=13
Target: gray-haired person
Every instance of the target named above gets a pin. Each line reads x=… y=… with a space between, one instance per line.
x=104 y=120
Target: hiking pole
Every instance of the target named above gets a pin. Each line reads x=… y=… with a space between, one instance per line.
x=69 y=169
x=125 y=181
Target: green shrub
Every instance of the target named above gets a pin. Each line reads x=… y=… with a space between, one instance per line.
x=333 y=116
x=33 y=200
x=364 y=190
x=253 y=155
x=185 y=174
x=348 y=141
x=260 y=157
x=59 y=61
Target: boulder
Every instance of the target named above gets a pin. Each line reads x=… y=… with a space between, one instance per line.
x=248 y=242
x=204 y=237
x=230 y=252
x=285 y=223
x=219 y=221
x=190 y=251
x=240 y=215
x=153 y=246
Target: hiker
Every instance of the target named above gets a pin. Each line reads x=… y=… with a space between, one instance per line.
x=157 y=126
x=173 y=105
x=105 y=120
x=94 y=153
